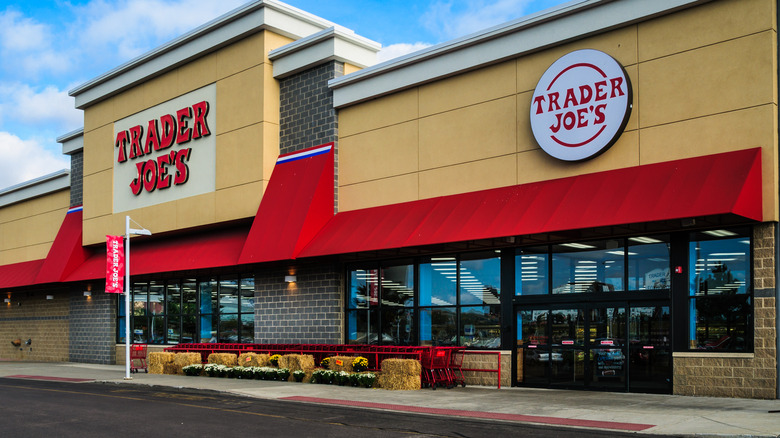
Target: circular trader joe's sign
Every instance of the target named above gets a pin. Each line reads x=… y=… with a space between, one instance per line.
x=581 y=105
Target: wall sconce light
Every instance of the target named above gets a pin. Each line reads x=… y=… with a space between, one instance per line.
x=290 y=278
x=7 y=300
x=87 y=293
x=49 y=297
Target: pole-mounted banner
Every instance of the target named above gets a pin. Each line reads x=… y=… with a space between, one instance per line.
x=115 y=264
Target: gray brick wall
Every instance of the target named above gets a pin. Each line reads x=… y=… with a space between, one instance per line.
x=308 y=311
x=92 y=327
x=76 y=179
x=307 y=116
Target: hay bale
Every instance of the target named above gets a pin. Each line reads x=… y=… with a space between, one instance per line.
x=181 y=360
x=346 y=363
x=227 y=359
x=397 y=382
x=253 y=360
x=171 y=368
x=156 y=368
x=160 y=357
x=402 y=367
x=294 y=362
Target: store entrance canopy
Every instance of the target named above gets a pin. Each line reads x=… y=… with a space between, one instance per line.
x=728 y=183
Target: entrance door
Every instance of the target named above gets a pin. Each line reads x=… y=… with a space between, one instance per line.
x=601 y=346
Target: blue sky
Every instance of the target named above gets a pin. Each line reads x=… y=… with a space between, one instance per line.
x=48 y=47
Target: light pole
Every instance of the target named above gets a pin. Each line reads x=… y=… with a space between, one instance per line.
x=128 y=232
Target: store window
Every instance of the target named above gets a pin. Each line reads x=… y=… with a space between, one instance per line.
x=648 y=263
x=720 y=292
x=219 y=309
x=588 y=267
x=380 y=306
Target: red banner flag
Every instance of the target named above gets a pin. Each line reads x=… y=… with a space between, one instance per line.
x=115 y=264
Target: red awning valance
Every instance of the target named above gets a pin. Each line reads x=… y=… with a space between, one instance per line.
x=66 y=253
x=19 y=274
x=728 y=183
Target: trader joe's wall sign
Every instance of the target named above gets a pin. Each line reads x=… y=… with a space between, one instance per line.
x=581 y=105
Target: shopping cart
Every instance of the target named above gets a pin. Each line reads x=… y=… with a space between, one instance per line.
x=436 y=367
x=138 y=358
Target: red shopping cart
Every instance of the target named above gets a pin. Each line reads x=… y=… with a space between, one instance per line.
x=138 y=358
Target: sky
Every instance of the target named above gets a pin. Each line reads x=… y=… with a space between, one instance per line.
x=48 y=47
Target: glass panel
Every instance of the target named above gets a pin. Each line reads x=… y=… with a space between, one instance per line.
x=228 y=328
x=363 y=288
x=121 y=322
x=208 y=296
x=208 y=328
x=588 y=267
x=398 y=286
x=533 y=351
x=607 y=342
x=437 y=326
x=174 y=330
x=568 y=327
x=480 y=279
x=397 y=326
x=156 y=301
x=247 y=328
x=567 y=366
x=531 y=271
x=720 y=265
x=173 y=298
x=480 y=326
x=189 y=289
x=140 y=330
x=157 y=329
x=140 y=299
x=361 y=326
x=247 y=297
x=438 y=281
x=228 y=295
x=648 y=263
x=650 y=356
x=188 y=329
x=721 y=322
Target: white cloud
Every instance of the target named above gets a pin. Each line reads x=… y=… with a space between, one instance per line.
x=132 y=27
x=49 y=107
x=396 y=50
x=27 y=47
x=456 y=18
x=21 y=34
x=23 y=160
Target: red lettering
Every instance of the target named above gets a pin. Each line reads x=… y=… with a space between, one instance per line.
x=581 y=120
x=570 y=98
x=601 y=94
x=569 y=120
x=553 y=101
x=121 y=143
x=149 y=176
x=136 y=132
x=617 y=84
x=557 y=126
x=185 y=133
x=538 y=100
x=168 y=133
x=599 y=112
x=182 y=171
x=152 y=137
x=199 y=125
x=163 y=179
x=137 y=184
x=585 y=94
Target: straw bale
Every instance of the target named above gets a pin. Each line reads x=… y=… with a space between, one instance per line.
x=171 y=368
x=346 y=363
x=160 y=357
x=253 y=360
x=156 y=368
x=402 y=367
x=295 y=362
x=396 y=382
x=227 y=359
x=181 y=360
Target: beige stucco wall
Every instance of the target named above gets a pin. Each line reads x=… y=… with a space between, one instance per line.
x=28 y=228
x=704 y=82
x=247 y=136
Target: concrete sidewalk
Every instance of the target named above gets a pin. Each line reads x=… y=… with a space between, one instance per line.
x=641 y=413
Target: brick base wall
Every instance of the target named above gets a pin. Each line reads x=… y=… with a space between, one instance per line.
x=749 y=375
x=307 y=311
x=475 y=360
x=92 y=327
x=44 y=322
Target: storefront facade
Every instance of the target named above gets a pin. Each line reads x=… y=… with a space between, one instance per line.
x=590 y=191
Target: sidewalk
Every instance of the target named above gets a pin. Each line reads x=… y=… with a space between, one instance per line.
x=641 y=413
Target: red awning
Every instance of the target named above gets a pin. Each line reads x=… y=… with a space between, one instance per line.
x=728 y=183
x=66 y=253
x=209 y=249
x=19 y=274
x=297 y=203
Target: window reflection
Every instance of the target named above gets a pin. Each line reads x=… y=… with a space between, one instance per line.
x=480 y=279
x=648 y=263
x=531 y=272
x=438 y=281
x=588 y=267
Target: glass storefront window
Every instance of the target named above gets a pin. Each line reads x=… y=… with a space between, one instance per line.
x=721 y=306
x=397 y=326
x=156 y=294
x=247 y=297
x=438 y=281
x=480 y=279
x=531 y=271
x=648 y=263
x=173 y=298
x=362 y=327
x=588 y=267
x=364 y=288
x=438 y=326
x=189 y=297
x=398 y=286
x=480 y=326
